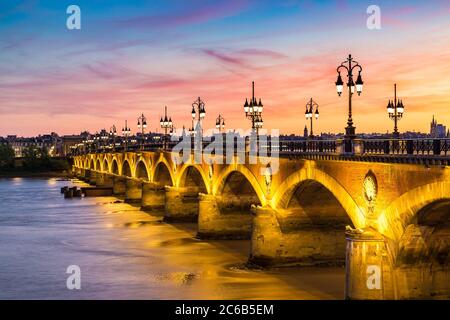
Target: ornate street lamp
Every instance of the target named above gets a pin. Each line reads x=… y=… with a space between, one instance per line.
x=395 y=111
x=253 y=111
x=349 y=65
x=142 y=124
x=220 y=123
x=126 y=132
x=166 y=124
x=199 y=112
x=310 y=114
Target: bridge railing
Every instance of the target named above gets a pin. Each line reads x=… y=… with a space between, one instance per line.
x=421 y=147
x=308 y=146
x=411 y=147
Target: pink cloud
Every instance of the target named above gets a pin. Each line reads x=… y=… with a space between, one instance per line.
x=228 y=59
x=263 y=53
x=190 y=15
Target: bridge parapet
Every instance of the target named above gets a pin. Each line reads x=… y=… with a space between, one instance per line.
x=426 y=151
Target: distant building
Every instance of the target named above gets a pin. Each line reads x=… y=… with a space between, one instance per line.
x=47 y=141
x=437 y=130
x=305 y=132
x=69 y=141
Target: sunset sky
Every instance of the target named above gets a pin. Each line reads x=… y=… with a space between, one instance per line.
x=138 y=56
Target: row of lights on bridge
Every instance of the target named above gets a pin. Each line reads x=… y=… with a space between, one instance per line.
x=253 y=110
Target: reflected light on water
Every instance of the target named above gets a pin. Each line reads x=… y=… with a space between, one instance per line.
x=130 y=254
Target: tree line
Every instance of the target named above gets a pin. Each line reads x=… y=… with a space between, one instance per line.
x=33 y=159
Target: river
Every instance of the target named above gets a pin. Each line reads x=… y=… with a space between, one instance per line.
x=124 y=253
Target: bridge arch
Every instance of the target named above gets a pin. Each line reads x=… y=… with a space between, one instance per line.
x=126 y=169
x=225 y=174
x=317 y=178
x=92 y=164
x=393 y=221
x=105 y=165
x=98 y=165
x=193 y=175
x=142 y=171
x=422 y=259
x=114 y=167
x=228 y=213
x=162 y=174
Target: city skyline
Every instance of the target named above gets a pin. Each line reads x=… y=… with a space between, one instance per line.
x=88 y=80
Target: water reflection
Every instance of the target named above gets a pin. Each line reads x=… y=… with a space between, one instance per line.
x=126 y=253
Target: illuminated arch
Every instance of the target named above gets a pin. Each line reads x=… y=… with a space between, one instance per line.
x=394 y=219
x=98 y=165
x=115 y=167
x=126 y=169
x=105 y=165
x=92 y=164
x=286 y=190
x=182 y=176
x=159 y=164
x=222 y=179
x=141 y=170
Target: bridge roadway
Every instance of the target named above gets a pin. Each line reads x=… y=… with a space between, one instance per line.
x=388 y=222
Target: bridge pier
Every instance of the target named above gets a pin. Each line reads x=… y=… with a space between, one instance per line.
x=153 y=196
x=221 y=218
x=92 y=180
x=369 y=268
x=181 y=204
x=76 y=171
x=105 y=180
x=80 y=173
x=133 y=191
x=119 y=185
x=86 y=175
x=277 y=240
x=100 y=179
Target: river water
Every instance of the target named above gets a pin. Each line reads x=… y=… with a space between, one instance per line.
x=124 y=253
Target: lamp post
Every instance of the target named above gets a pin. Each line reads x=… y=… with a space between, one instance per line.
x=142 y=124
x=349 y=65
x=253 y=111
x=220 y=123
x=166 y=124
x=126 y=132
x=309 y=114
x=395 y=111
x=113 y=132
x=199 y=111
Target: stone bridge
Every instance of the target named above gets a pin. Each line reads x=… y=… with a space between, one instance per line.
x=389 y=223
